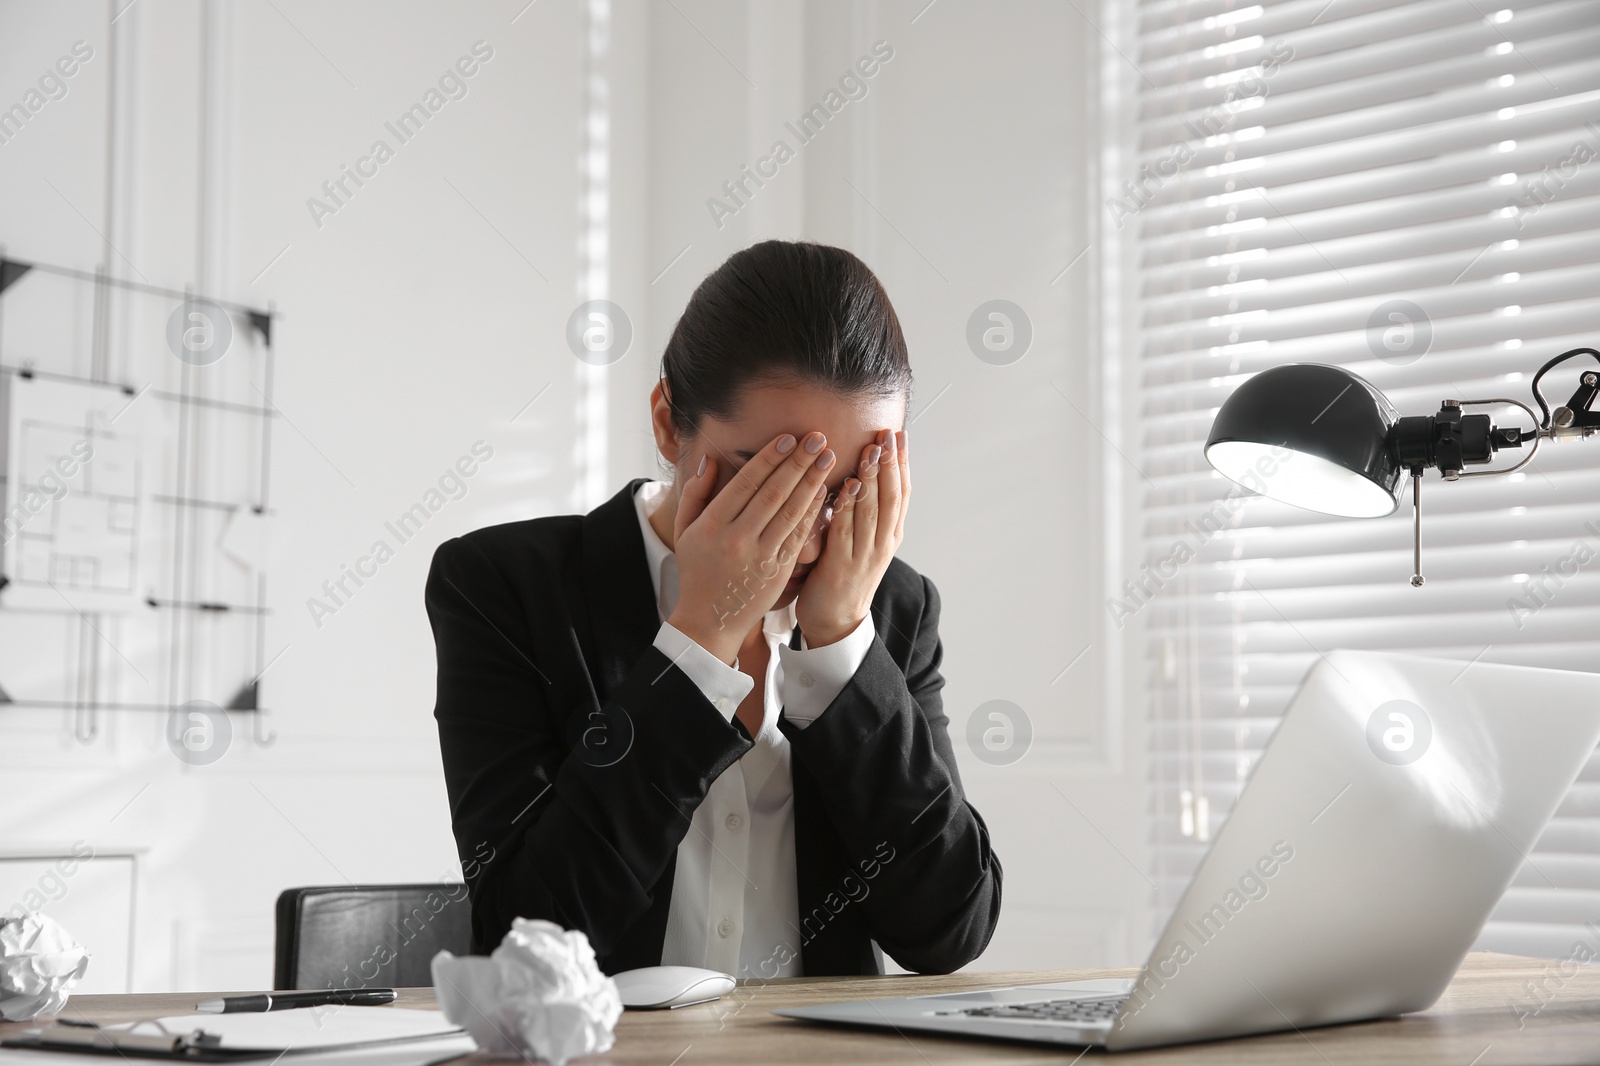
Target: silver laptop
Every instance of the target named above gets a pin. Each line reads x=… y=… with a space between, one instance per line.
x=1390 y=810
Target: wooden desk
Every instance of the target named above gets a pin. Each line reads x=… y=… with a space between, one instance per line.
x=1473 y=1024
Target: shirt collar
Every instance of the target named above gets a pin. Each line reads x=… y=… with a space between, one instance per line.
x=646 y=499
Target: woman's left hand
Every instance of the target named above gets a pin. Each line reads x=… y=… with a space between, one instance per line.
x=868 y=524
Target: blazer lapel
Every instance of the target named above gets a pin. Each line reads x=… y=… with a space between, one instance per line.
x=622 y=619
x=622 y=614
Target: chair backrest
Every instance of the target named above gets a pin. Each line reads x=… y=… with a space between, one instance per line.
x=368 y=936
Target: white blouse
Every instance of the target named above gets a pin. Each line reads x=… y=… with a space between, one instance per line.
x=734 y=902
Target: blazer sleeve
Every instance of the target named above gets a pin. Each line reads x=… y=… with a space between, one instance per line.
x=881 y=754
x=564 y=808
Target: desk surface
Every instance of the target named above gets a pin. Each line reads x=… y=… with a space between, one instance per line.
x=1473 y=1024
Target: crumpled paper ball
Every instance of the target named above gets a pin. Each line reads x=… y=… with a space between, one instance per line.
x=40 y=964
x=540 y=993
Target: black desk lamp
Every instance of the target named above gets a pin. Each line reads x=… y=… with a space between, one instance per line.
x=1347 y=444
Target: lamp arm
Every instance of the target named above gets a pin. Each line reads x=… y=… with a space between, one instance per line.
x=1578 y=400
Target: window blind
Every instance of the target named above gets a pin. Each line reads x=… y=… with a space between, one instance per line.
x=1410 y=190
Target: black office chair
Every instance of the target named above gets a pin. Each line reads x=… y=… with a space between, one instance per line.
x=368 y=936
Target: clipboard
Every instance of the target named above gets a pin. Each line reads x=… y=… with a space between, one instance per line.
x=243 y=1037
x=84 y=1037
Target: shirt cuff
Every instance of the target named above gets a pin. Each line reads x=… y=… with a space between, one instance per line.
x=812 y=677
x=724 y=686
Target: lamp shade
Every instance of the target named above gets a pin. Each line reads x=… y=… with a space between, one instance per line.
x=1310 y=435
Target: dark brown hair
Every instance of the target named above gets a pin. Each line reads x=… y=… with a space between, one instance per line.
x=779 y=312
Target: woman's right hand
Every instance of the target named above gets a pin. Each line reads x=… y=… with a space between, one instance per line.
x=736 y=550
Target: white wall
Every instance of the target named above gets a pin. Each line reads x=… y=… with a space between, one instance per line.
x=415 y=321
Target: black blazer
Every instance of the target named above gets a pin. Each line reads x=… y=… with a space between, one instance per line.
x=575 y=754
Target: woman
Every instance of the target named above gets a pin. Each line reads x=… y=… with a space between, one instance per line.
x=702 y=723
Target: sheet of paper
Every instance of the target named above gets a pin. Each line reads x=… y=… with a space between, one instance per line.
x=77 y=515
x=426 y=1052
x=305 y=1028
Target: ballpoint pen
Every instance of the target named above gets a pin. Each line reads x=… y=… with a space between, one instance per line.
x=344 y=997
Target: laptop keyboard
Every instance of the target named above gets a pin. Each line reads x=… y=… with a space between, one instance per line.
x=1068 y=1011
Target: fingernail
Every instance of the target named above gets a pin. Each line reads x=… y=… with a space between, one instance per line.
x=700 y=471
x=852 y=488
x=874 y=454
x=889 y=447
x=786 y=444
x=822 y=490
x=814 y=443
x=825 y=460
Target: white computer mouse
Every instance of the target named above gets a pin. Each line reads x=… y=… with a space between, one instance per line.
x=661 y=987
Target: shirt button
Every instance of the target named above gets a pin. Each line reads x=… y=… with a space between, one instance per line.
x=722 y=703
x=733 y=821
x=806 y=680
x=725 y=928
